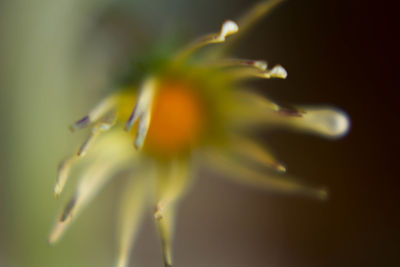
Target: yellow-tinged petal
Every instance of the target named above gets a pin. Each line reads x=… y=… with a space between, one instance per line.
x=104 y=164
x=166 y=229
x=62 y=175
x=131 y=210
x=237 y=171
x=107 y=105
x=246 y=149
x=237 y=63
x=277 y=71
x=326 y=121
x=255 y=111
x=93 y=179
x=100 y=127
x=323 y=121
x=250 y=102
x=173 y=182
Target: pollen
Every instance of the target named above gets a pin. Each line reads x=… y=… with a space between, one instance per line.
x=178 y=119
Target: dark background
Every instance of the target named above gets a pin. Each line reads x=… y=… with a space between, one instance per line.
x=336 y=52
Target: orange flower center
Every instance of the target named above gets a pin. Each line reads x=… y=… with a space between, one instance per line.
x=177 y=120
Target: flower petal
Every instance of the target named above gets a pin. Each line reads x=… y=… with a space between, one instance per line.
x=142 y=111
x=247 y=149
x=100 y=127
x=255 y=110
x=166 y=228
x=238 y=172
x=325 y=121
x=103 y=164
x=65 y=166
x=173 y=183
x=106 y=105
x=229 y=27
x=63 y=171
x=131 y=211
x=237 y=63
x=277 y=71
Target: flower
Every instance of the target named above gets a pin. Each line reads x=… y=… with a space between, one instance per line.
x=193 y=109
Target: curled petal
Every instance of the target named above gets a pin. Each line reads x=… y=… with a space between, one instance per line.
x=277 y=71
x=229 y=27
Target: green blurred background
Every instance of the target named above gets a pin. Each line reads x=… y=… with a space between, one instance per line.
x=58 y=57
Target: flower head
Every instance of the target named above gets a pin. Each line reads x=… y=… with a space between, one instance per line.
x=194 y=109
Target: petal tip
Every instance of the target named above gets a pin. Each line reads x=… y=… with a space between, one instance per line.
x=228 y=28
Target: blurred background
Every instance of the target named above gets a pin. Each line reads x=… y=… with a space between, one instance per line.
x=58 y=57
